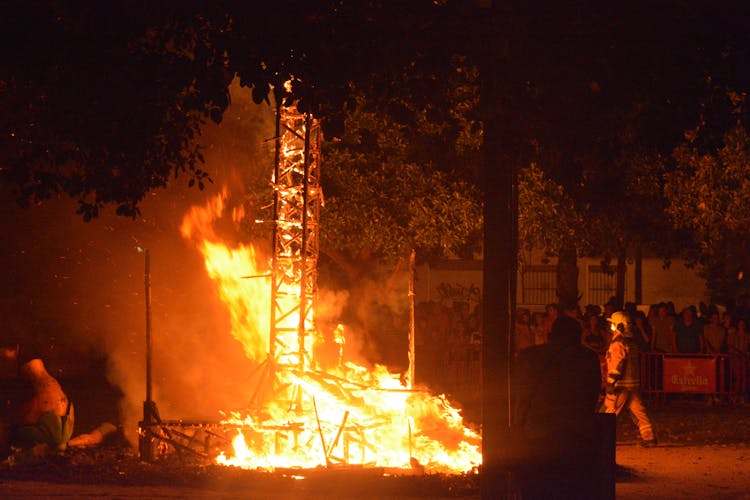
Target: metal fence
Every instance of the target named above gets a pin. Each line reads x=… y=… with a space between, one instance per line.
x=720 y=375
x=539 y=285
x=602 y=284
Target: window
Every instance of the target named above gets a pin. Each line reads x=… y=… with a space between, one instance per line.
x=538 y=285
x=602 y=284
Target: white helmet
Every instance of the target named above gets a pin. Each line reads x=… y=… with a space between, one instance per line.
x=620 y=321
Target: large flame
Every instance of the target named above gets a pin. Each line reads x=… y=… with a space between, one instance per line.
x=333 y=413
x=241 y=287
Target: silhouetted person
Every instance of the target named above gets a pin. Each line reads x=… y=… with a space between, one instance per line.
x=555 y=389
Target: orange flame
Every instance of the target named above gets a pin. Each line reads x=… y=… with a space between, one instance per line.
x=348 y=414
x=241 y=287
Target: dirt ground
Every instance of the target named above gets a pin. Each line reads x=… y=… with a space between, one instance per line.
x=704 y=452
x=684 y=471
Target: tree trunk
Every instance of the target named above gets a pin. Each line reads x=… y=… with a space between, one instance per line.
x=567 y=275
x=500 y=154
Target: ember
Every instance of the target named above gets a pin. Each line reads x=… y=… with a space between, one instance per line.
x=304 y=412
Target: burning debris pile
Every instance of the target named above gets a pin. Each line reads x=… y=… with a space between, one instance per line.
x=306 y=409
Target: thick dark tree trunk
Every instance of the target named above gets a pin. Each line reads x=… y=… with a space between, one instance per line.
x=500 y=154
x=567 y=275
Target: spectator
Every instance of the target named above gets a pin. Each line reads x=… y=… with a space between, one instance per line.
x=593 y=309
x=523 y=334
x=737 y=347
x=688 y=333
x=610 y=307
x=630 y=308
x=652 y=312
x=594 y=336
x=742 y=334
x=539 y=327
x=642 y=331
x=474 y=327
x=442 y=334
x=728 y=323
x=553 y=435
x=551 y=312
x=662 y=330
x=714 y=341
x=573 y=310
x=714 y=334
x=671 y=309
x=742 y=310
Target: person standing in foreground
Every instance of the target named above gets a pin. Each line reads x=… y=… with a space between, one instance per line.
x=554 y=438
x=623 y=376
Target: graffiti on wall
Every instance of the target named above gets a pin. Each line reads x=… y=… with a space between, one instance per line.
x=458 y=292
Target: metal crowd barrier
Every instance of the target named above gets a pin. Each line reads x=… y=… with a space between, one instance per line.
x=721 y=375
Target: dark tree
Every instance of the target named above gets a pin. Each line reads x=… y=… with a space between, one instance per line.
x=103 y=101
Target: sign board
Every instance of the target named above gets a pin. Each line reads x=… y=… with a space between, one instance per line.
x=689 y=374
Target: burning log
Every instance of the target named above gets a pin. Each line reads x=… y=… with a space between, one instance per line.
x=338 y=434
x=94 y=437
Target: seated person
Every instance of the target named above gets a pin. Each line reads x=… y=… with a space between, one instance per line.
x=39 y=416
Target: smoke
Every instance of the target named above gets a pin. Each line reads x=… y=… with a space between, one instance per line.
x=381 y=308
x=76 y=290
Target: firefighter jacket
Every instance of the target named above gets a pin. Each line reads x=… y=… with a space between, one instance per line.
x=623 y=359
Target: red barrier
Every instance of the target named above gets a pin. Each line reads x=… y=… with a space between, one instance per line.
x=691 y=374
x=719 y=375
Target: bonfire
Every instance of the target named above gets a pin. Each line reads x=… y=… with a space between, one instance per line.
x=311 y=405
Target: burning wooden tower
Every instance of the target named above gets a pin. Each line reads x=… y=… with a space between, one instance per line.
x=297 y=200
x=301 y=412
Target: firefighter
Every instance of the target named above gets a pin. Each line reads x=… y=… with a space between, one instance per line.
x=623 y=376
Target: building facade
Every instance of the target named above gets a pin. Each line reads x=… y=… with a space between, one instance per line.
x=454 y=281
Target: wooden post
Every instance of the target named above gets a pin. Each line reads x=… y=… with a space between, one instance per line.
x=147 y=284
x=412 y=350
x=150 y=415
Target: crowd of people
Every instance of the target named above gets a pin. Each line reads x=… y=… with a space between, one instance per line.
x=448 y=337
x=694 y=330
x=659 y=329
